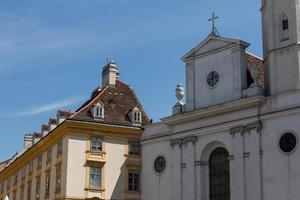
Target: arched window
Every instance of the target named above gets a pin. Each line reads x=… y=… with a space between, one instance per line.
x=136 y=116
x=285 y=22
x=284 y=27
x=219 y=176
x=98 y=111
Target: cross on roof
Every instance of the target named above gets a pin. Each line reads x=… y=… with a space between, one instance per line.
x=213 y=19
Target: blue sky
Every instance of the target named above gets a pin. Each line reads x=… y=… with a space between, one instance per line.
x=52 y=52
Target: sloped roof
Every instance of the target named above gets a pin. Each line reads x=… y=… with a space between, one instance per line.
x=118 y=101
x=252 y=59
x=5 y=163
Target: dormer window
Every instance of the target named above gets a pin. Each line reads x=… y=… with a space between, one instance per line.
x=136 y=116
x=98 y=111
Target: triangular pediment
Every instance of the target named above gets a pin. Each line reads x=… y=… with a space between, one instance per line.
x=211 y=44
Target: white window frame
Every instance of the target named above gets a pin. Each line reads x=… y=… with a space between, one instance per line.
x=98 y=111
x=136 y=116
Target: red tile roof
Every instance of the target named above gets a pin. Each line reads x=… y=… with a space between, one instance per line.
x=252 y=59
x=118 y=101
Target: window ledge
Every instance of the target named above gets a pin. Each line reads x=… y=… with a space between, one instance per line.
x=133 y=192
x=94 y=189
x=285 y=39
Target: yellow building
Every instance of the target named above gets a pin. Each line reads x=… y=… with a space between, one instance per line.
x=92 y=153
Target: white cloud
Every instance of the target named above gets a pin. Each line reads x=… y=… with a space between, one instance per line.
x=35 y=110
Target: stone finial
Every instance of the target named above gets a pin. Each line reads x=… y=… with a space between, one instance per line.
x=255 y=73
x=179 y=106
x=179 y=93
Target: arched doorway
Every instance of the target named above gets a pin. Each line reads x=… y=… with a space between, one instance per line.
x=219 y=175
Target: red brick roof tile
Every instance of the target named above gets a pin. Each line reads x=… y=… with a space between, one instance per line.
x=118 y=101
x=252 y=59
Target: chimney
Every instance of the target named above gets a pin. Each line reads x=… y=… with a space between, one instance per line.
x=52 y=124
x=45 y=129
x=28 y=141
x=62 y=115
x=36 y=137
x=110 y=73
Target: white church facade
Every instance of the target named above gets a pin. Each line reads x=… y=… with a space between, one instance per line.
x=237 y=135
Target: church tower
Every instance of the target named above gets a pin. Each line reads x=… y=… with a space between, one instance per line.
x=281 y=39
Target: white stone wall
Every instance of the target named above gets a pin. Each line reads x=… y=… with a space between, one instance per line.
x=224 y=56
x=281 y=55
x=259 y=170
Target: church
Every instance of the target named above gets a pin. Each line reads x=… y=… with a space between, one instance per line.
x=236 y=137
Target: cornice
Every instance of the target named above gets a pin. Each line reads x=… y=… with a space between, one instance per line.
x=215 y=110
x=65 y=128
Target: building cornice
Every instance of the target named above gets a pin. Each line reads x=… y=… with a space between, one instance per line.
x=66 y=128
x=215 y=110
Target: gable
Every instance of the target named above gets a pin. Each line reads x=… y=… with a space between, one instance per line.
x=211 y=44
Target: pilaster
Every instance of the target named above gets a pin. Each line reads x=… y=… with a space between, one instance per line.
x=237 y=170
x=176 y=169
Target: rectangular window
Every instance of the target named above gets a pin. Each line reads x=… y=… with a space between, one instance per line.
x=133 y=181
x=38 y=188
x=14 y=195
x=96 y=143
x=40 y=161
x=30 y=166
x=95 y=177
x=59 y=148
x=47 y=184
x=22 y=193
x=134 y=147
x=8 y=183
x=58 y=179
x=16 y=178
x=1 y=188
x=23 y=172
x=29 y=190
x=49 y=155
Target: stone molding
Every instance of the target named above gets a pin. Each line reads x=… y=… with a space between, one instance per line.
x=203 y=163
x=192 y=139
x=178 y=142
x=258 y=126
x=181 y=141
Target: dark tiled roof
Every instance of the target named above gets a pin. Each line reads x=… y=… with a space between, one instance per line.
x=5 y=163
x=251 y=59
x=118 y=101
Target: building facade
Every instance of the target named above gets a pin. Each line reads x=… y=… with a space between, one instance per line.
x=92 y=153
x=237 y=135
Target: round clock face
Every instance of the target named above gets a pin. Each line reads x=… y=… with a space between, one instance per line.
x=212 y=79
